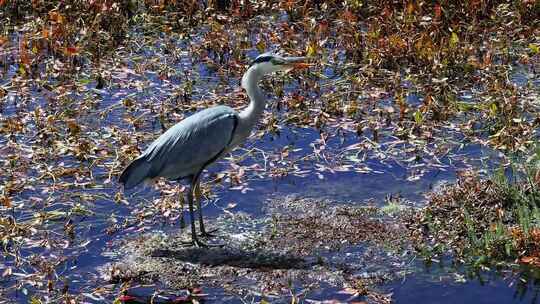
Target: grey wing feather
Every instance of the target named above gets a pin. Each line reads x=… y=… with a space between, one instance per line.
x=185 y=148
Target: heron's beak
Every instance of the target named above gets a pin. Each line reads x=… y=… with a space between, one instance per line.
x=296 y=63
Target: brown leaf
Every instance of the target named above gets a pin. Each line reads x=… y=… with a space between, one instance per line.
x=410 y=8
x=73 y=127
x=5 y=201
x=56 y=17
x=45 y=33
x=23 y=51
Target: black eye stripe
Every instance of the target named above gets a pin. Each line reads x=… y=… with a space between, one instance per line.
x=262 y=59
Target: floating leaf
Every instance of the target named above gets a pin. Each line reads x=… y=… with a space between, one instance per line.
x=493 y=109
x=535 y=49
x=56 y=17
x=261 y=46
x=311 y=50
x=45 y=33
x=454 y=39
x=438 y=11
x=418 y=117
x=71 y=50
x=349 y=16
x=7 y=272
x=74 y=128
x=410 y=8
x=23 y=51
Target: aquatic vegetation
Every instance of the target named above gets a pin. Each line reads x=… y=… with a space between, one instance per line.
x=481 y=222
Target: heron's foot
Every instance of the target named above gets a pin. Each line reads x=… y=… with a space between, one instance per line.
x=208 y=234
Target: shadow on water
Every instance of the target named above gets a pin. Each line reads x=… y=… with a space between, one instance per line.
x=233 y=257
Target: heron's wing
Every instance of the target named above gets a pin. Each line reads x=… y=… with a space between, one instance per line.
x=192 y=143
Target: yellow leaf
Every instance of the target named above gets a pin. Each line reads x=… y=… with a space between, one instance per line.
x=261 y=46
x=534 y=48
x=311 y=50
x=493 y=109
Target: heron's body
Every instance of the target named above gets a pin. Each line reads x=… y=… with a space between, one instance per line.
x=188 y=147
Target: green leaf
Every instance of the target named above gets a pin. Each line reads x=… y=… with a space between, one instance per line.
x=454 y=39
x=418 y=117
x=22 y=70
x=85 y=81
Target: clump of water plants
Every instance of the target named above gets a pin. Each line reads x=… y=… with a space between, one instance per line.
x=481 y=221
x=287 y=255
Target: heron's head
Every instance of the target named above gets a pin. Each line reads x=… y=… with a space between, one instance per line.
x=268 y=63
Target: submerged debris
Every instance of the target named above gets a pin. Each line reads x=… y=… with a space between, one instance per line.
x=305 y=226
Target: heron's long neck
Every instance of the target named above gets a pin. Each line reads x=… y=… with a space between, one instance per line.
x=253 y=112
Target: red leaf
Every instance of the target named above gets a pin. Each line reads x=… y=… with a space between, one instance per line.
x=438 y=11
x=183 y=299
x=125 y=298
x=72 y=50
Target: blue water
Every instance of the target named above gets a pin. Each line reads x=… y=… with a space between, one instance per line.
x=489 y=288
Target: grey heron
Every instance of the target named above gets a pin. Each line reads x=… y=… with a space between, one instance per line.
x=187 y=148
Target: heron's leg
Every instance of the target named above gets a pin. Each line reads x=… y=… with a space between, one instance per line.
x=198 y=195
x=194 y=240
x=182 y=202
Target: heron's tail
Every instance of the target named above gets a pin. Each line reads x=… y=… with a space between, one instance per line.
x=135 y=173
